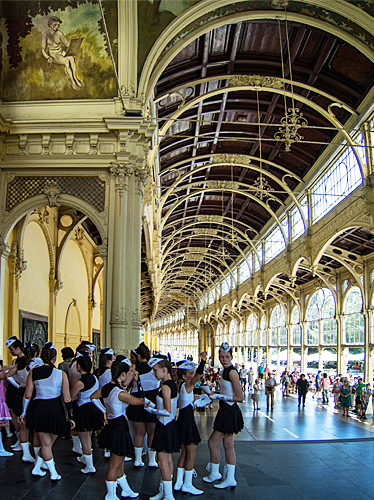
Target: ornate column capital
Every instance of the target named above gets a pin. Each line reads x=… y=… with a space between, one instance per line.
x=142 y=175
x=121 y=172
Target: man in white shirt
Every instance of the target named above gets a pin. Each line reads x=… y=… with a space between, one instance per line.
x=243 y=376
x=270 y=385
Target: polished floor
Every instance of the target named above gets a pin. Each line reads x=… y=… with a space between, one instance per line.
x=289 y=453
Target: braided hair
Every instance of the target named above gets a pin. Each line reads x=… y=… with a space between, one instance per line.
x=117 y=368
x=48 y=353
x=29 y=353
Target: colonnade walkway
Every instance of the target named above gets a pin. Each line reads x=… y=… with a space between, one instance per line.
x=285 y=454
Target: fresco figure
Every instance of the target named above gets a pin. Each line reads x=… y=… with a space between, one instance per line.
x=53 y=41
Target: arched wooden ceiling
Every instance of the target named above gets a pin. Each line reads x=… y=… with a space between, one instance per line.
x=213 y=216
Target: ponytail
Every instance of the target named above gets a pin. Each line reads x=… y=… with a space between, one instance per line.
x=29 y=353
x=85 y=363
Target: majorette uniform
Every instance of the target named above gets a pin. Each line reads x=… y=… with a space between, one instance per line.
x=115 y=436
x=87 y=416
x=46 y=412
x=229 y=419
x=188 y=431
x=147 y=387
x=20 y=377
x=166 y=436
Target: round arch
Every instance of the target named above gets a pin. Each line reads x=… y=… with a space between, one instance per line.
x=159 y=57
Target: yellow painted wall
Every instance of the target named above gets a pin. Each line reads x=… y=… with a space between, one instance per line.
x=75 y=285
x=34 y=281
x=96 y=311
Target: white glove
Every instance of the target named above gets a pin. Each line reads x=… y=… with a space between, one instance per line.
x=13 y=382
x=159 y=413
x=147 y=401
x=25 y=404
x=222 y=397
x=99 y=405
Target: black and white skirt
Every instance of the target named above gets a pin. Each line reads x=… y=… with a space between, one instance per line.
x=88 y=417
x=115 y=437
x=229 y=419
x=11 y=394
x=166 y=438
x=137 y=413
x=18 y=402
x=47 y=415
x=187 y=428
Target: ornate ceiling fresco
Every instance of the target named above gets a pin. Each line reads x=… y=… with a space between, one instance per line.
x=244 y=112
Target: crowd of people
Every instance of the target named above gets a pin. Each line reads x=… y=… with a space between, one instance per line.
x=349 y=393
x=43 y=402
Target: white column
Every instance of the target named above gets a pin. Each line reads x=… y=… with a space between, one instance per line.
x=4 y=253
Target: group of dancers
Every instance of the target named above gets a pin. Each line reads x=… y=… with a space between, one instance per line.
x=42 y=399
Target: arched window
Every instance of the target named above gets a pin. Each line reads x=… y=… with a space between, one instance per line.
x=354 y=323
x=329 y=326
x=278 y=326
x=321 y=309
x=233 y=333
x=251 y=330
x=295 y=328
x=263 y=331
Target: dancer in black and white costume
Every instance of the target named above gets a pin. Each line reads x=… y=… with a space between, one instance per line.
x=22 y=365
x=228 y=421
x=104 y=374
x=144 y=423
x=84 y=347
x=115 y=435
x=47 y=415
x=87 y=416
x=188 y=431
x=166 y=437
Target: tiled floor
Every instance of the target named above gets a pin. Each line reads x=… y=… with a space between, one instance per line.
x=310 y=454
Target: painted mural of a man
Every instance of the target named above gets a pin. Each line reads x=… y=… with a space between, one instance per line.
x=53 y=41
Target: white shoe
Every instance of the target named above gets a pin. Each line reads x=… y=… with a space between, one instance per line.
x=152 y=459
x=17 y=444
x=127 y=459
x=179 y=482
x=27 y=457
x=214 y=473
x=168 y=490
x=138 y=458
x=89 y=469
x=52 y=469
x=228 y=478
x=160 y=494
x=106 y=453
x=4 y=453
x=188 y=487
x=77 y=447
x=37 y=471
x=81 y=460
x=111 y=487
x=126 y=490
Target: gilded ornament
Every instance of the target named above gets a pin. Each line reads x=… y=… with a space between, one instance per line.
x=256 y=81
x=232 y=159
x=290 y=124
